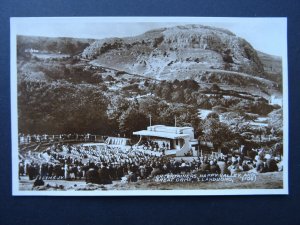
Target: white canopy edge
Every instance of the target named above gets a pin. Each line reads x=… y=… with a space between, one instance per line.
x=160 y=134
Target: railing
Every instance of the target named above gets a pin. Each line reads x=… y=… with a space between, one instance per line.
x=28 y=139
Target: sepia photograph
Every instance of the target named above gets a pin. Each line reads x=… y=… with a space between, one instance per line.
x=141 y=106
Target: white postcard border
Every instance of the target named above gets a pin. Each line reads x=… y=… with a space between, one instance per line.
x=15 y=22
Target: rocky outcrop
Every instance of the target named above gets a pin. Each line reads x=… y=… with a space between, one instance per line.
x=177 y=52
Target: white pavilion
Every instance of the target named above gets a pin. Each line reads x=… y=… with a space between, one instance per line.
x=177 y=140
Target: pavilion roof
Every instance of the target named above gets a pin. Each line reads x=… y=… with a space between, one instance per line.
x=160 y=134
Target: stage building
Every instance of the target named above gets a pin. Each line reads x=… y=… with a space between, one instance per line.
x=175 y=140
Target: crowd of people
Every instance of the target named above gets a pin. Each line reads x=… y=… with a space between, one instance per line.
x=103 y=164
x=155 y=146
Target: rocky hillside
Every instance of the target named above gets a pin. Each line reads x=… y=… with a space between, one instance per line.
x=177 y=53
x=110 y=86
x=272 y=67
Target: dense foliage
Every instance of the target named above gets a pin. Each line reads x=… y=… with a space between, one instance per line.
x=61 y=107
x=69 y=95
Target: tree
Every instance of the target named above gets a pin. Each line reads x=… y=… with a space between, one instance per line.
x=217 y=133
x=189 y=84
x=53 y=46
x=215 y=88
x=61 y=107
x=276 y=120
x=239 y=121
x=166 y=90
x=151 y=106
x=132 y=120
x=213 y=115
x=203 y=102
x=178 y=96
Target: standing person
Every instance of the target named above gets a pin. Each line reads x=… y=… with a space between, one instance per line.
x=142 y=169
x=120 y=171
x=80 y=172
x=44 y=170
x=104 y=176
x=245 y=166
x=148 y=169
x=112 y=172
x=92 y=176
x=74 y=170
x=271 y=165
x=131 y=176
x=66 y=170
x=205 y=167
x=223 y=166
x=155 y=170
x=214 y=168
x=260 y=166
x=50 y=171
x=30 y=171
x=21 y=169
x=84 y=169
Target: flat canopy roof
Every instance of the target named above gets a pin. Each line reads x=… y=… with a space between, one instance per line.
x=160 y=134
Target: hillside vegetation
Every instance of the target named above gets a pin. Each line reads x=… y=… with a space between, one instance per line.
x=112 y=86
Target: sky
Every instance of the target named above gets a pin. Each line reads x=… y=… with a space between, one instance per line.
x=264 y=34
